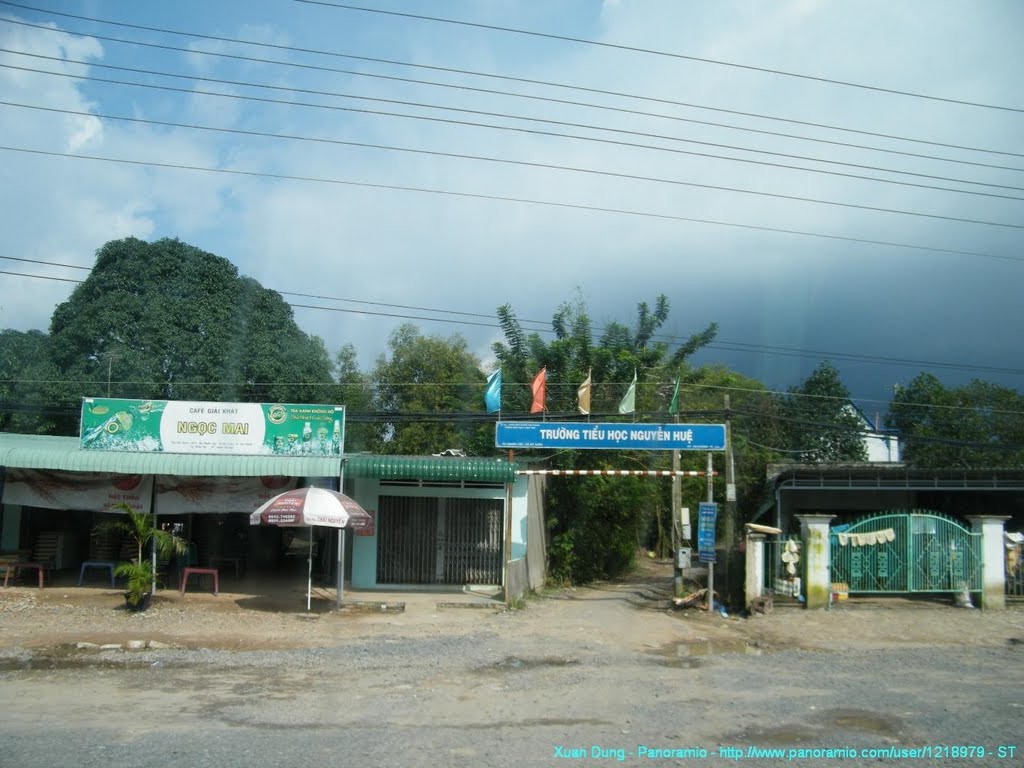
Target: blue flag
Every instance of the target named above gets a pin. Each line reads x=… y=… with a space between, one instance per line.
x=492 y=396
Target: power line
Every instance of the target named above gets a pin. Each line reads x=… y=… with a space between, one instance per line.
x=509 y=199
x=502 y=115
x=654 y=52
x=722 y=345
x=605 y=107
x=509 y=161
x=736 y=190
x=529 y=81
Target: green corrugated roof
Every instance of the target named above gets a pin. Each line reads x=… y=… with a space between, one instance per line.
x=65 y=453
x=430 y=468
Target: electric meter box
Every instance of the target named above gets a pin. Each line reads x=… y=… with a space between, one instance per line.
x=683 y=558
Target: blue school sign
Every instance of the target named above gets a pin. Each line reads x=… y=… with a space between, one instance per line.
x=642 y=437
x=706 y=515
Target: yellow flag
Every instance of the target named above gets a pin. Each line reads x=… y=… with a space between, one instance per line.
x=583 y=395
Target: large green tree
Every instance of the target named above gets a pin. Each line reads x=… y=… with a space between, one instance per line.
x=168 y=320
x=822 y=423
x=355 y=392
x=31 y=386
x=977 y=425
x=426 y=389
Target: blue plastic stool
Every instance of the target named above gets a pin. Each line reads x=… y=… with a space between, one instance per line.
x=109 y=565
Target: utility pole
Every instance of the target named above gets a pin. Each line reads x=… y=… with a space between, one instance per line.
x=711 y=566
x=729 y=510
x=677 y=533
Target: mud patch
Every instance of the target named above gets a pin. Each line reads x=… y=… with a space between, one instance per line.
x=517 y=664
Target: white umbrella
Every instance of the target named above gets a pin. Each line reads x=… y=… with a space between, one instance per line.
x=306 y=507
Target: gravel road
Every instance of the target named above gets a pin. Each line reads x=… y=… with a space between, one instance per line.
x=594 y=676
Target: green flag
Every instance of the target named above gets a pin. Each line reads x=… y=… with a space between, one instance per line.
x=628 y=403
x=673 y=407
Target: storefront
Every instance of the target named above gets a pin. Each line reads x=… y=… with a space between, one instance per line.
x=438 y=520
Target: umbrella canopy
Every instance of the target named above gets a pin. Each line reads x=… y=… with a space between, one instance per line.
x=311 y=506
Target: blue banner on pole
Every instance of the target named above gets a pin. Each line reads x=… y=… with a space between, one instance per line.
x=707 y=514
x=645 y=437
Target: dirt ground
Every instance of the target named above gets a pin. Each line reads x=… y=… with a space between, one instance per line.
x=609 y=670
x=276 y=618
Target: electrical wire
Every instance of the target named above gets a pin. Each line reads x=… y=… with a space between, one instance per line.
x=545 y=83
x=507 y=199
x=723 y=345
x=604 y=107
x=653 y=52
x=524 y=163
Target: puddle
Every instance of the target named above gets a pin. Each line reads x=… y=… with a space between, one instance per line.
x=694 y=654
x=863 y=720
x=827 y=722
x=715 y=647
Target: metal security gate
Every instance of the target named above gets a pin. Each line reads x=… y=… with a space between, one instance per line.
x=473 y=542
x=406 y=540
x=916 y=551
x=439 y=540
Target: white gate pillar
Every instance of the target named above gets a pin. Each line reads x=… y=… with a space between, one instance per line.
x=817 y=559
x=993 y=559
x=754 y=583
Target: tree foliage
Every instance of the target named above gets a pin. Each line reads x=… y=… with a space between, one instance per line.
x=596 y=523
x=977 y=425
x=168 y=320
x=355 y=392
x=423 y=376
x=822 y=422
x=30 y=383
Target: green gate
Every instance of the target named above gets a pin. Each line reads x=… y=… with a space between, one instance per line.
x=916 y=551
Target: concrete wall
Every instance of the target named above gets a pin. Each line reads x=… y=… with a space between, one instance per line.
x=517 y=576
x=537 y=540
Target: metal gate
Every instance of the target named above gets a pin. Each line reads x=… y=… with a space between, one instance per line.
x=439 y=540
x=917 y=551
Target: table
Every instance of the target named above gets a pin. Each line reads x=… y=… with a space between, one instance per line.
x=108 y=564
x=208 y=571
x=40 y=568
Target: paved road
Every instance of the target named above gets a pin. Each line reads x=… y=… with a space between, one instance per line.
x=593 y=681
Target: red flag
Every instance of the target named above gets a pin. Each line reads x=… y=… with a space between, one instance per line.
x=539 y=387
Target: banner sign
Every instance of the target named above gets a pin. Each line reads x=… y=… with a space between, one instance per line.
x=643 y=437
x=85 y=491
x=180 y=426
x=706 y=514
x=178 y=495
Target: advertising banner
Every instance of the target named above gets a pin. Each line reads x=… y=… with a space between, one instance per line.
x=706 y=516
x=85 y=491
x=177 y=495
x=180 y=426
x=643 y=437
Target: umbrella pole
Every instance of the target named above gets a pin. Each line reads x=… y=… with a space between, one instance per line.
x=340 y=590
x=309 y=578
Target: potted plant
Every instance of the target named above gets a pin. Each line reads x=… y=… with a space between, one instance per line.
x=140 y=528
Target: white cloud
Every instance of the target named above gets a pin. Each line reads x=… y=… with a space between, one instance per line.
x=472 y=255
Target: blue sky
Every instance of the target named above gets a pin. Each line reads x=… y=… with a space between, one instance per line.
x=472 y=255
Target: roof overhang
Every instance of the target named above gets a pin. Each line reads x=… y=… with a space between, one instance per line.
x=66 y=454
x=894 y=477
x=430 y=468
